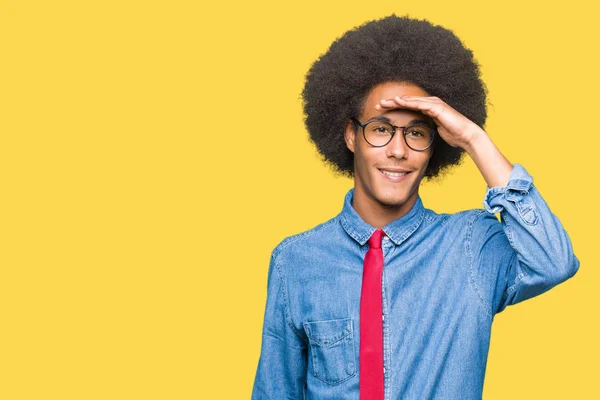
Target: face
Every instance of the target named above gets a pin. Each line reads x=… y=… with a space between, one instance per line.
x=371 y=185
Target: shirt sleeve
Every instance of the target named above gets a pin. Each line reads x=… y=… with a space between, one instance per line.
x=282 y=366
x=524 y=254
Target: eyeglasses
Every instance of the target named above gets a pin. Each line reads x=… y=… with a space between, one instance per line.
x=418 y=136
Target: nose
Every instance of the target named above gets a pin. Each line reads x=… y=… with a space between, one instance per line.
x=397 y=147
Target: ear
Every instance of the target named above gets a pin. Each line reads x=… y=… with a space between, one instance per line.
x=349 y=136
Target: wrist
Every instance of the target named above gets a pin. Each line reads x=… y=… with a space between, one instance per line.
x=476 y=140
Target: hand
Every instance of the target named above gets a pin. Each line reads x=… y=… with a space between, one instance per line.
x=456 y=129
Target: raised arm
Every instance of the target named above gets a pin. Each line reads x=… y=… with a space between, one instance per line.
x=525 y=254
x=529 y=251
x=281 y=371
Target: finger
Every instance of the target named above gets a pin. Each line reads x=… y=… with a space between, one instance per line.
x=393 y=103
x=387 y=103
x=390 y=107
x=387 y=106
x=419 y=98
x=429 y=108
x=414 y=103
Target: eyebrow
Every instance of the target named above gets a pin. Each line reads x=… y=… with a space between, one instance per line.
x=413 y=121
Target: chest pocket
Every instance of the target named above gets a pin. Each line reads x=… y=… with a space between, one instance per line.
x=332 y=349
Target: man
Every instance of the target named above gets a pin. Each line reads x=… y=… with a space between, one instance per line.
x=389 y=299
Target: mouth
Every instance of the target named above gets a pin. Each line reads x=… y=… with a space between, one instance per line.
x=394 y=176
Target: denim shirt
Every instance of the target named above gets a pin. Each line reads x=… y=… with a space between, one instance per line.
x=445 y=276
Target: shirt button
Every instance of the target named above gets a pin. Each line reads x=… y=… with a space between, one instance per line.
x=384 y=370
x=382 y=317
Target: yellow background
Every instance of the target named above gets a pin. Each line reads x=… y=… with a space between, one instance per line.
x=153 y=153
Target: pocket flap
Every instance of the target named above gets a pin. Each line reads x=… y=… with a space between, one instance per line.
x=327 y=333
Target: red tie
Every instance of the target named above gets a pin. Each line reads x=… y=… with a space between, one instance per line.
x=371 y=324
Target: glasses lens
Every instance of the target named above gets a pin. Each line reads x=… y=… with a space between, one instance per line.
x=419 y=137
x=378 y=133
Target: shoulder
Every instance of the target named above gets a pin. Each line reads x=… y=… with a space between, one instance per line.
x=472 y=228
x=481 y=221
x=305 y=239
x=462 y=221
x=484 y=231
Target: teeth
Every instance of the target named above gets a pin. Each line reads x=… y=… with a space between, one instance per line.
x=393 y=173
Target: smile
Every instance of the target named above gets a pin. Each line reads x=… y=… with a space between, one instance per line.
x=394 y=176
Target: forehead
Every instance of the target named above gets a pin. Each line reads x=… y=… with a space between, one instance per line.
x=389 y=90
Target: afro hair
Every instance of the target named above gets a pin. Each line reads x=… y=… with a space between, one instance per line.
x=389 y=49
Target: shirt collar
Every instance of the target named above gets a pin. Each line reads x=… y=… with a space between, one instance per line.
x=397 y=230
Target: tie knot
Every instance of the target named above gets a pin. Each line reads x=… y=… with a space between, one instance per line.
x=375 y=239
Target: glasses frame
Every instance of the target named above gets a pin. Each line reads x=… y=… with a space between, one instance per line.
x=394 y=128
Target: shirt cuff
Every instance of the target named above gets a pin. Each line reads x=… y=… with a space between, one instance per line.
x=518 y=185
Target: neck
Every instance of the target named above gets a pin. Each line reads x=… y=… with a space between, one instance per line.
x=378 y=214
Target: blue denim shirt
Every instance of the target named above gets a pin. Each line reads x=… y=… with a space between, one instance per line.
x=445 y=277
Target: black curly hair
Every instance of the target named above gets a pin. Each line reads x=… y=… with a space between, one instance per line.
x=398 y=49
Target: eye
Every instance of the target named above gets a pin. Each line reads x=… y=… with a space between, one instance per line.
x=379 y=128
x=418 y=131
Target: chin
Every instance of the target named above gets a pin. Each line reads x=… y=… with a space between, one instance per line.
x=392 y=199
